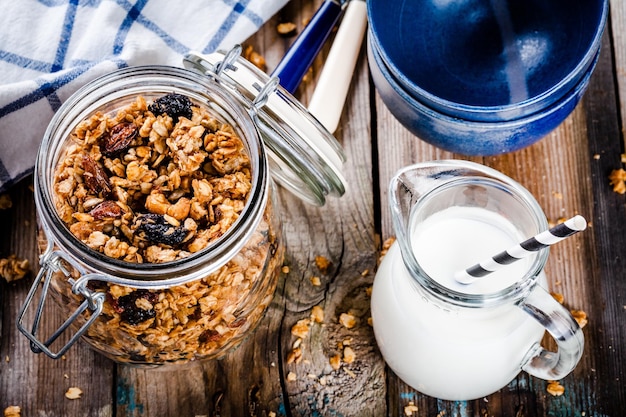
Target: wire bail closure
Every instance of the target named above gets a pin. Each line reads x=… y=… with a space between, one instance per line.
x=265 y=92
x=229 y=61
x=51 y=263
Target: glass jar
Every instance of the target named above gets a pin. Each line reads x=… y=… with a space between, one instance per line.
x=160 y=236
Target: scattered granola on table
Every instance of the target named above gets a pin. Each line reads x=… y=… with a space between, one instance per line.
x=255 y=58
x=617 y=179
x=5 y=201
x=347 y=320
x=13 y=268
x=555 y=389
x=154 y=183
x=73 y=393
x=13 y=411
x=323 y=264
x=287 y=29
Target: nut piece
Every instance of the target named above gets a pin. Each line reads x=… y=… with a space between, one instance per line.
x=335 y=362
x=322 y=264
x=317 y=314
x=295 y=356
x=617 y=179
x=386 y=245
x=13 y=411
x=291 y=376
x=12 y=268
x=286 y=29
x=73 y=393
x=410 y=409
x=558 y=297
x=348 y=355
x=555 y=389
x=347 y=320
x=301 y=328
x=580 y=317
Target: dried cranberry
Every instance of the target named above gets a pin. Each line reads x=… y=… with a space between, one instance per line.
x=157 y=230
x=208 y=336
x=174 y=105
x=129 y=312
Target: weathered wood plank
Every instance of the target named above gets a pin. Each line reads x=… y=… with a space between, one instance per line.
x=606 y=141
x=253 y=380
x=557 y=170
x=37 y=383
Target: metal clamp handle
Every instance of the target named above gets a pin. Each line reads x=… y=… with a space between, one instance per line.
x=50 y=263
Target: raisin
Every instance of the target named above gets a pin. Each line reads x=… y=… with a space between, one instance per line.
x=174 y=105
x=95 y=178
x=118 y=138
x=238 y=322
x=136 y=357
x=129 y=312
x=107 y=209
x=157 y=229
x=208 y=336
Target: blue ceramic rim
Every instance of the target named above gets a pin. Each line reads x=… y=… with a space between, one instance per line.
x=488 y=114
x=474 y=113
x=419 y=106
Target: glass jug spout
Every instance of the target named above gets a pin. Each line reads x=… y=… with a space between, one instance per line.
x=410 y=184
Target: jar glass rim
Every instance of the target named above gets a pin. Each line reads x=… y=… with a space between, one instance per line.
x=130 y=82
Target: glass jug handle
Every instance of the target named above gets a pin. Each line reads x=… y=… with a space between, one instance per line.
x=568 y=335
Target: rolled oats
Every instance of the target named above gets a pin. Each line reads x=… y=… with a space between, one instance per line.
x=156 y=183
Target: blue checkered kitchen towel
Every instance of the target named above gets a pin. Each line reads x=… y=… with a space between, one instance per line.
x=50 y=48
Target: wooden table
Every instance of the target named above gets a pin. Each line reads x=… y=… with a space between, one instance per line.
x=567 y=172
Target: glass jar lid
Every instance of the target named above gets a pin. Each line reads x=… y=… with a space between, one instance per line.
x=303 y=155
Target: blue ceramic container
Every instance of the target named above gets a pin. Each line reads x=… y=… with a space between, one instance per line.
x=487 y=60
x=465 y=136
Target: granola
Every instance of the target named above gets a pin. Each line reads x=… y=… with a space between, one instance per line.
x=13 y=268
x=156 y=183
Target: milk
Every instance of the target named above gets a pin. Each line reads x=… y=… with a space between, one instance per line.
x=458 y=237
x=441 y=349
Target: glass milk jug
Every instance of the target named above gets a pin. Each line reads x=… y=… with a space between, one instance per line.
x=464 y=341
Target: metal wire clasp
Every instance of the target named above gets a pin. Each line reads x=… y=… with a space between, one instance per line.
x=264 y=94
x=51 y=263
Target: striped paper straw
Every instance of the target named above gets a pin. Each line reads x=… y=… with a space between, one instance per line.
x=522 y=250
